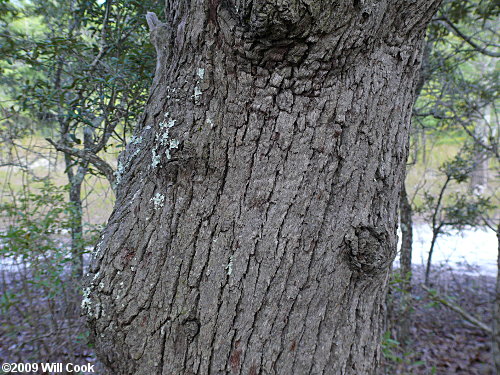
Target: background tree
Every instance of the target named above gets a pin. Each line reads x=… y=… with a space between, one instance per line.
x=458 y=86
x=76 y=72
x=255 y=220
x=89 y=75
x=457 y=103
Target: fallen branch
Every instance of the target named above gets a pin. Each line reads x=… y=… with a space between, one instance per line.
x=435 y=297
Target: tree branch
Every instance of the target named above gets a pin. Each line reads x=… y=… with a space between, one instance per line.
x=435 y=297
x=450 y=26
x=89 y=156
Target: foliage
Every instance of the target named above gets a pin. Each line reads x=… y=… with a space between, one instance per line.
x=78 y=66
x=79 y=71
x=36 y=224
x=460 y=73
x=453 y=208
x=38 y=297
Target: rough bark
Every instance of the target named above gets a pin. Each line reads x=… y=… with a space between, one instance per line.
x=496 y=314
x=256 y=215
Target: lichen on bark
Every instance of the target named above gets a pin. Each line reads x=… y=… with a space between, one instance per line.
x=267 y=256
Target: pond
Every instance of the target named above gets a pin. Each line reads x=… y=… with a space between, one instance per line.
x=470 y=250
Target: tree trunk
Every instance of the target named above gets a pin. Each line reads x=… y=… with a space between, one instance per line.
x=406 y=236
x=405 y=264
x=479 y=175
x=496 y=313
x=75 y=199
x=256 y=212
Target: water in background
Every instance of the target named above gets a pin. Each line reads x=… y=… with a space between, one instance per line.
x=470 y=249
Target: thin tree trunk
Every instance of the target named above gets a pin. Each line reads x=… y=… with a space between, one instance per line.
x=435 y=234
x=406 y=220
x=479 y=175
x=256 y=215
x=406 y=237
x=436 y=226
x=75 y=200
x=75 y=181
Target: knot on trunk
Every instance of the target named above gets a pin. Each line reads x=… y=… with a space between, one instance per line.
x=190 y=328
x=278 y=20
x=368 y=250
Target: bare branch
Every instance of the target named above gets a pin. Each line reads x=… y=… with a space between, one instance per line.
x=451 y=26
x=89 y=156
x=435 y=297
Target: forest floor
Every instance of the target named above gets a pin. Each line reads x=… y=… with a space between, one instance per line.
x=39 y=327
x=441 y=341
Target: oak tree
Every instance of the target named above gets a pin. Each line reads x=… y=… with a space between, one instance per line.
x=256 y=213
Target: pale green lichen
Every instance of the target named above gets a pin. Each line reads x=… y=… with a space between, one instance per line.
x=174 y=144
x=158 y=201
x=86 y=301
x=120 y=169
x=155 y=159
x=136 y=140
x=98 y=248
x=87 y=305
x=163 y=139
x=201 y=73
x=136 y=152
x=197 y=94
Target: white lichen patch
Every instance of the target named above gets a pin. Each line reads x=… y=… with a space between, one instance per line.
x=174 y=144
x=158 y=201
x=210 y=122
x=197 y=94
x=87 y=305
x=201 y=73
x=120 y=170
x=86 y=301
x=136 y=194
x=163 y=139
x=98 y=248
x=136 y=140
x=229 y=266
x=155 y=159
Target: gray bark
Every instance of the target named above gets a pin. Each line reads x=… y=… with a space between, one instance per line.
x=75 y=188
x=496 y=313
x=256 y=215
